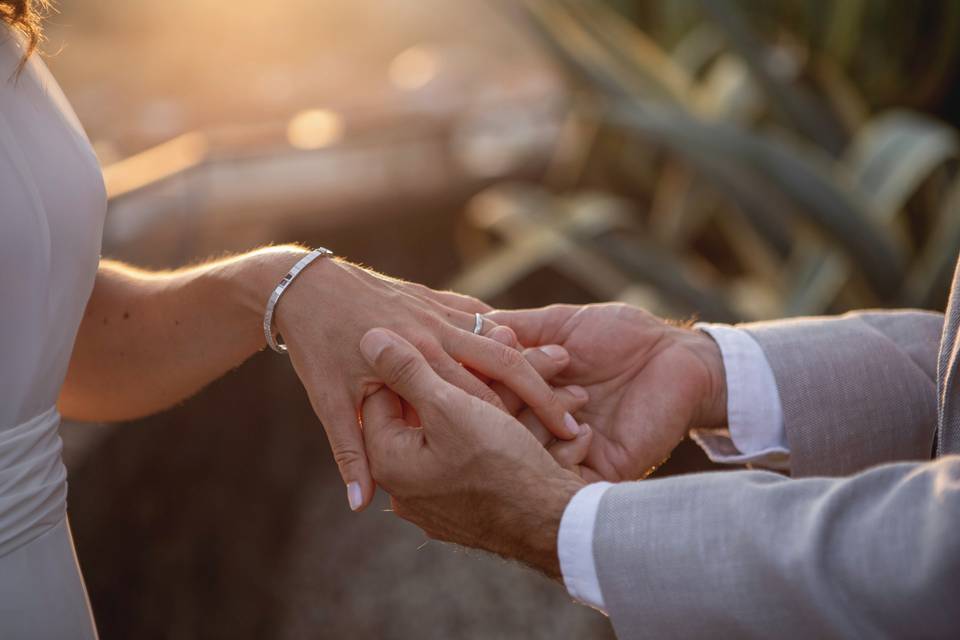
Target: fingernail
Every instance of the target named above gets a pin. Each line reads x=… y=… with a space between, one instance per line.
x=584 y=430
x=554 y=351
x=571 y=424
x=373 y=343
x=578 y=392
x=354 y=495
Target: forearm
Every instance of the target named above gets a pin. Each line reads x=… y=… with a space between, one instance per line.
x=754 y=554
x=150 y=340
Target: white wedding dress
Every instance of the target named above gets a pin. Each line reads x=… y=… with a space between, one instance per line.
x=52 y=207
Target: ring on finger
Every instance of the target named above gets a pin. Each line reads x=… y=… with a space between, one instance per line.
x=478 y=324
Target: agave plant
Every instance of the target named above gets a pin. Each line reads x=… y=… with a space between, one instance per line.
x=758 y=193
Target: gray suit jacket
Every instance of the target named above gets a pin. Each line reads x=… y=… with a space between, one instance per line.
x=862 y=542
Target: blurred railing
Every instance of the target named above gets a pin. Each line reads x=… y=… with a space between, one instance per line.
x=235 y=187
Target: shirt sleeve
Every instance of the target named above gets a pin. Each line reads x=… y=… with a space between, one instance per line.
x=575 y=546
x=756 y=434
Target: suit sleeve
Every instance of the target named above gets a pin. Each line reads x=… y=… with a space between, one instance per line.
x=752 y=554
x=856 y=390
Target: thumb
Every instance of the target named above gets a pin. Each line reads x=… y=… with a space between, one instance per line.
x=386 y=434
x=401 y=367
x=533 y=327
x=379 y=411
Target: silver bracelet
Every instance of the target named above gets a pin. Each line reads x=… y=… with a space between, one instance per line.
x=319 y=252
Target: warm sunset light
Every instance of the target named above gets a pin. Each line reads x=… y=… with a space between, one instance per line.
x=315 y=128
x=155 y=164
x=413 y=68
x=367 y=318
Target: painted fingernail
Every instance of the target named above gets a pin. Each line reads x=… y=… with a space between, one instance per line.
x=554 y=351
x=578 y=392
x=354 y=495
x=373 y=343
x=571 y=424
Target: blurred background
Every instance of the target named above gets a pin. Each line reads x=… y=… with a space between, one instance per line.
x=730 y=160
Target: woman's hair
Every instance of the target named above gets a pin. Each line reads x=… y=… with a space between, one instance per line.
x=25 y=17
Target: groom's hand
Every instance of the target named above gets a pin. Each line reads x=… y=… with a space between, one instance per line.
x=649 y=382
x=469 y=473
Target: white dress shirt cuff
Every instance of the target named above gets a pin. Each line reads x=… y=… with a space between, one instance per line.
x=575 y=545
x=756 y=433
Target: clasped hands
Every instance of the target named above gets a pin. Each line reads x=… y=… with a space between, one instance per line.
x=466 y=471
x=483 y=439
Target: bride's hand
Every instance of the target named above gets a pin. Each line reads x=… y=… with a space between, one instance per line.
x=332 y=304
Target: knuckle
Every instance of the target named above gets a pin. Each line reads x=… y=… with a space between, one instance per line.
x=432 y=351
x=489 y=396
x=567 y=400
x=541 y=362
x=504 y=335
x=348 y=455
x=404 y=370
x=507 y=358
x=419 y=289
x=481 y=306
x=553 y=398
x=563 y=308
x=438 y=332
x=479 y=391
x=472 y=305
x=419 y=339
x=547 y=400
x=443 y=400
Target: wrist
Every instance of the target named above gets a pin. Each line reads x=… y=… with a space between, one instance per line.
x=253 y=278
x=712 y=411
x=536 y=522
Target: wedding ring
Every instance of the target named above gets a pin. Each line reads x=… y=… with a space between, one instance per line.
x=478 y=325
